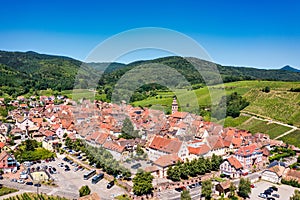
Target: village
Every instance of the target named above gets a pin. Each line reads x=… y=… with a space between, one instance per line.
x=160 y=143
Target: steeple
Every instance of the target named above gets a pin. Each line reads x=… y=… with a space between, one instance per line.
x=174 y=105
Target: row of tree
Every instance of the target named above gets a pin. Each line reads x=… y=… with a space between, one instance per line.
x=99 y=156
x=194 y=168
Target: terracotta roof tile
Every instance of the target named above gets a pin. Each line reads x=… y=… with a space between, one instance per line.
x=167 y=160
x=234 y=162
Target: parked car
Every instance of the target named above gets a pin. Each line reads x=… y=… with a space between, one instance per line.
x=276 y=195
x=13 y=180
x=110 y=184
x=136 y=166
x=274 y=188
x=29 y=183
x=267 y=192
x=270 y=198
x=262 y=195
x=37 y=185
x=21 y=181
x=1 y=177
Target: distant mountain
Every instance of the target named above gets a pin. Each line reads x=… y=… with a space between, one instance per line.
x=23 y=72
x=186 y=66
x=106 y=66
x=289 y=68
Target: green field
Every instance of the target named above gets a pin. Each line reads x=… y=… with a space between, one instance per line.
x=234 y=122
x=6 y=190
x=259 y=126
x=292 y=138
x=278 y=104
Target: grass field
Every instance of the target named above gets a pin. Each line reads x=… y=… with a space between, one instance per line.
x=6 y=190
x=234 y=122
x=292 y=138
x=278 y=104
x=259 y=126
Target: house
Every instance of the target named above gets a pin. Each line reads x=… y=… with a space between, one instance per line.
x=216 y=144
x=231 y=167
x=164 y=162
x=249 y=155
x=7 y=161
x=292 y=174
x=2 y=138
x=160 y=146
x=4 y=128
x=223 y=187
x=50 y=143
x=197 y=149
x=273 y=174
x=154 y=170
x=115 y=149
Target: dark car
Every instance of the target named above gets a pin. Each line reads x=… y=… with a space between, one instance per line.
x=37 y=185
x=29 y=183
x=276 y=195
x=67 y=169
x=1 y=177
x=274 y=188
x=13 y=180
x=136 y=166
x=270 y=198
x=267 y=192
x=110 y=184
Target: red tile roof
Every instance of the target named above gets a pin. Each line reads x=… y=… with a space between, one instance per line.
x=201 y=150
x=248 y=150
x=180 y=115
x=165 y=145
x=114 y=146
x=234 y=162
x=167 y=160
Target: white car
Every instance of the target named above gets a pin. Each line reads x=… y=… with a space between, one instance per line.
x=262 y=195
x=21 y=181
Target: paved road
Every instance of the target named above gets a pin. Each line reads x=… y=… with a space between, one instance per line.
x=172 y=194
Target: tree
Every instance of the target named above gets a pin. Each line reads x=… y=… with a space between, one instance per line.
x=185 y=195
x=142 y=183
x=68 y=142
x=30 y=145
x=216 y=162
x=232 y=189
x=296 y=195
x=207 y=189
x=266 y=89
x=244 y=188
x=84 y=190
x=127 y=130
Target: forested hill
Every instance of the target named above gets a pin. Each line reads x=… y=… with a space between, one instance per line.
x=21 y=72
x=186 y=66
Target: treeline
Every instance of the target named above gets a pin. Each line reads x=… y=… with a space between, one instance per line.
x=294 y=90
x=194 y=168
x=33 y=196
x=99 y=156
x=231 y=105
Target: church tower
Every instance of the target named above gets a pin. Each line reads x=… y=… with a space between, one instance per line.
x=174 y=105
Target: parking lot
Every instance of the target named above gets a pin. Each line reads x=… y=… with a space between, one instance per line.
x=284 y=191
x=70 y=181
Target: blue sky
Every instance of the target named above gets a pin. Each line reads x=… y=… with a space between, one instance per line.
x=263 y=34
